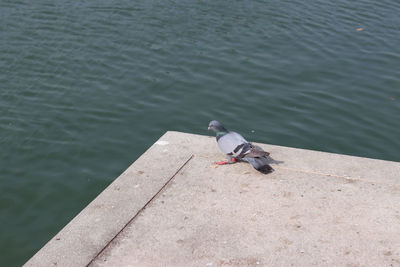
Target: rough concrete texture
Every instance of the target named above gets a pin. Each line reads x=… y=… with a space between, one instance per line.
x=316 y=209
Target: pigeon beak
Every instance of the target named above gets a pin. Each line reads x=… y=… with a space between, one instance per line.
x=209 y=128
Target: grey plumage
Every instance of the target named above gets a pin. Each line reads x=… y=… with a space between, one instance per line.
x=235 y=146
x=260 y=164
x=229 y=142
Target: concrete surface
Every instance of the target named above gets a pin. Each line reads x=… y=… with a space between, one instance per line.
x=175 y=207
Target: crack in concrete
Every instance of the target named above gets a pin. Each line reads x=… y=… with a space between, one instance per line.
x=140 y=211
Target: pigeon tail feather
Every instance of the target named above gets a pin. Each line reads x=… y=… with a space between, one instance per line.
x=265 y=169
x=260 y=164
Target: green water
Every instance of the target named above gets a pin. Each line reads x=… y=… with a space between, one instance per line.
x=87 y=86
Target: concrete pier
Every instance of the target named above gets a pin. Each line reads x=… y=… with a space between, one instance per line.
x=175 y=207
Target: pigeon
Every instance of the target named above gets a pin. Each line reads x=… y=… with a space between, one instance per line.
x=238 y=149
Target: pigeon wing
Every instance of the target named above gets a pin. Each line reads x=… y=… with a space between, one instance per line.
x=231 y=143
x=256 y=151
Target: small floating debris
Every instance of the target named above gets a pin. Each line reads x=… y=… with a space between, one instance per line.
x=392 y=98
x=360 y=29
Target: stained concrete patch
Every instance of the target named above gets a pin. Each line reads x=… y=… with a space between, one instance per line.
x=316 y=209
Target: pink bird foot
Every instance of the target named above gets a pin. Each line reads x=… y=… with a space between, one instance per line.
x=226 y=162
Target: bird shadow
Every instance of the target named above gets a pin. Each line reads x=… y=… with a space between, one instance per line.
x=273 y=161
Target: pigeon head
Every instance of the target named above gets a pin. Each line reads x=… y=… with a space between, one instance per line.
x=217 y=127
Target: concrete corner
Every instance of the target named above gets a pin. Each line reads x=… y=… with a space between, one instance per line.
x=316 y=209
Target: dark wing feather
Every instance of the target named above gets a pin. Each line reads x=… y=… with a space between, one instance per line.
x=253 y=152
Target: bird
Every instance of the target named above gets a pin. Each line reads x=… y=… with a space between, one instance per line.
x=238 y=149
